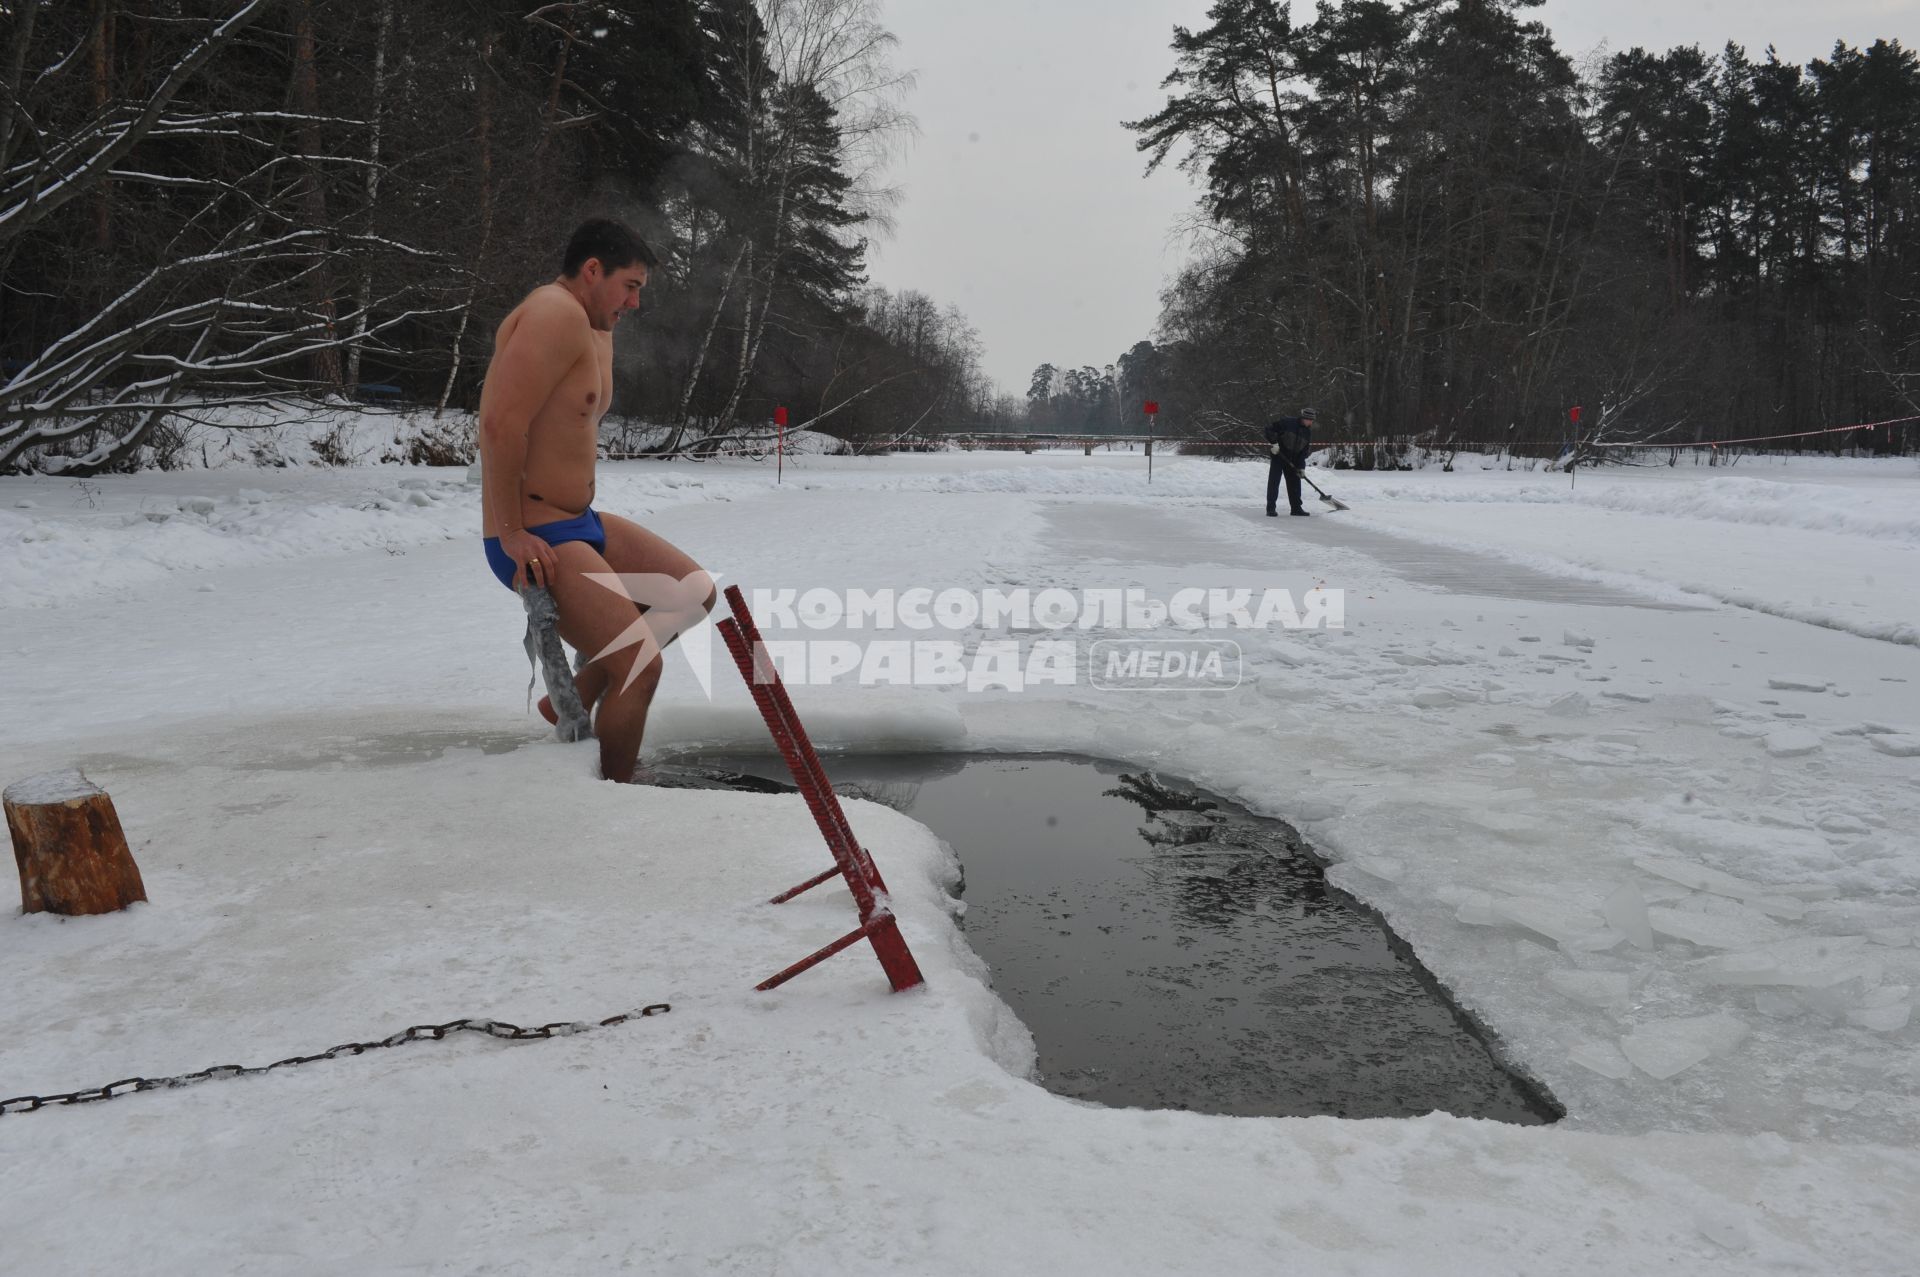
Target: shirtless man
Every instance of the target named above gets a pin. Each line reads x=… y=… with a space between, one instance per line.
x=547 y=387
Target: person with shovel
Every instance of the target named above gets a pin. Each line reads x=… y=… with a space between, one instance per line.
x=1289 y=441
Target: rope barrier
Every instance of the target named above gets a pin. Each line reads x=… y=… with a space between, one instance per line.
x=1800 y=434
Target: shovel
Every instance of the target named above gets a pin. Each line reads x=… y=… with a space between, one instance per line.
x=1332 y=501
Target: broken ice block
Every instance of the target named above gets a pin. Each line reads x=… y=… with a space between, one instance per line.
x=1781 y=1006
x=1532 y=954
x=1550 y=918
x=1806 y=962
x=1603 y=1058
x=1475 y=909
x=1897 y=746
x=1713 y=931
x=1177 y=828
x=1791 y=742
x=1835 y=1001
x=1572 y=705
x=1667 y=1048
x=1894 y=937
x=1778 y=906
x=1797 y=685
x=1700 y=877
x=1593 y=941
x=1626 y=912
x=1385 y=868
x=1807 y=890
x=1570 y=639
x=1662 y=1060
x=1608 y=990
x=1781 y=902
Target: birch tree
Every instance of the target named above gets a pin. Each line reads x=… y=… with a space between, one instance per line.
x=224 y=301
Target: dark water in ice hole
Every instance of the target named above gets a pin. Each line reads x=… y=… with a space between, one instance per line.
x=1220 y=974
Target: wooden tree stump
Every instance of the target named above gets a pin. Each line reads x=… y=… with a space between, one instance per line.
x=68 y=843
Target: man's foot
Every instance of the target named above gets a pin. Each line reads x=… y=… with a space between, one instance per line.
x=1297 y=510
x=1272 y=513
x=545 y=707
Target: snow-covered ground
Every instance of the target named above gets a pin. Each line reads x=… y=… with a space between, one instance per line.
x=1631 y=763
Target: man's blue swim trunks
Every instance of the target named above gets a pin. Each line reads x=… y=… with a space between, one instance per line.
x=584 y=526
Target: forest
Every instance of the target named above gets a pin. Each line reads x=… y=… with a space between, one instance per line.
x=1427 y=221
x=1423 y=218
x=211 y=210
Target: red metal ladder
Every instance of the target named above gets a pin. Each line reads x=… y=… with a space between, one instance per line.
x=850 y=859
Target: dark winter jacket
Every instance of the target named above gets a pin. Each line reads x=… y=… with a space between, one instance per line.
x=1294 y=436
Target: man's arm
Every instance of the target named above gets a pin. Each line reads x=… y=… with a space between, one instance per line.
x=538 y=353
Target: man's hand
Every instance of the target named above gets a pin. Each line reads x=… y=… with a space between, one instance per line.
x=1275 y=449
x=533 y=559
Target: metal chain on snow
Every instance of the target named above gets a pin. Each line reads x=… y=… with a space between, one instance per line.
x=417 y=1033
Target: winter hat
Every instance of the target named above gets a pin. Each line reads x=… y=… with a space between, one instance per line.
x=1308 y=414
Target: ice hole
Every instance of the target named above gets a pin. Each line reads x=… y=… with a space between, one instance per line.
x=1169 y=949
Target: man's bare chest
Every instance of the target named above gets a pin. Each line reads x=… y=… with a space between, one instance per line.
x=585 y=393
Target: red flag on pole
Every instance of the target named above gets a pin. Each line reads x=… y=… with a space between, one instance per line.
x=1573 y=414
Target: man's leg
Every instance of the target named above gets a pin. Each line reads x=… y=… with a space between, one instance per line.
x=1274 y=469
x=588 y=682
x=632 y=550
x=1293 y=489
x=594 y=618
x=662 y=587
x=684 y=594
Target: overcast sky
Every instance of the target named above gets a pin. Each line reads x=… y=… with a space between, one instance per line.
x=1025 y=204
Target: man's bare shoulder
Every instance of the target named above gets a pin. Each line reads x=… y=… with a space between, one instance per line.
x=548 y=312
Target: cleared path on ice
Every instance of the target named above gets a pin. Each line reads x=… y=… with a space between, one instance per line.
x=1457 y=571
x=1836 y=579
x=1179 y=537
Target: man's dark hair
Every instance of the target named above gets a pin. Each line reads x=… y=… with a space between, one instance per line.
x=612 y=243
